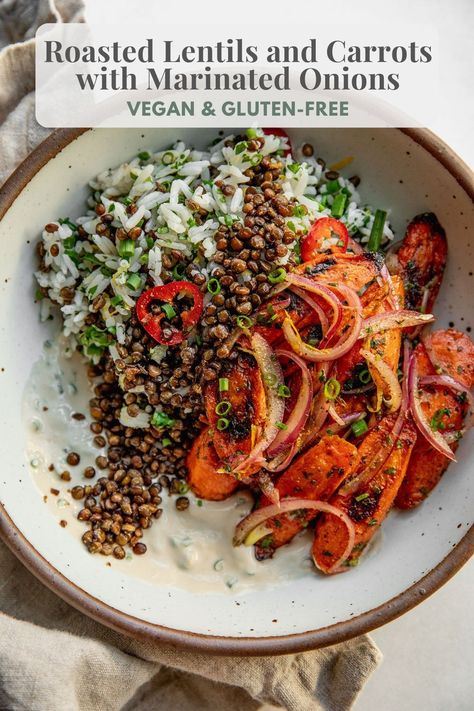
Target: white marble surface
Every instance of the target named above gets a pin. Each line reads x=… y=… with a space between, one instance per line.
x=429 y=652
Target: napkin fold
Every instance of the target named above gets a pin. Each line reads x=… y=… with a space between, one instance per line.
x=52 y=657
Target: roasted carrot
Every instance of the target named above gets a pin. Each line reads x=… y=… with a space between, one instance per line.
x=244 y=412
x=315 y=475
x=450 y=350
x=366 y=508
x=358 y=271
x=452 y=353
x=422 y=260
x=204 y=477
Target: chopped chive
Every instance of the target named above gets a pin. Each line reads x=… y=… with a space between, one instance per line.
x=214 y=286
x=373 y=522
x=277 y=276
x=365 y=376
x=338 y=205
x=199 y=502
x=178 y=271
x=166 y=442
x=167 y=158
x=144 y=155
x=162 y=230
x=126 y=248
x=294 y=167
x=223 y=407
x=161 y=419
x=116 y=300
x=333 y=186
x=169 y=311
x=111 y=207
x=332 y=388
x=223 y=385
x=299 y=211
x=281 y=425
x=244 y=322
x=222 y=424
x=240 y=147
x=134 y=282
x=359 y=428
x=376 y=233
x=283 y=391
x=361 y=497
x=291 y=226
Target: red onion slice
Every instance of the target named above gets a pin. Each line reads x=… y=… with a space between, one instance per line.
x=316 y=307
x=389 y=378
x=256 y=518
x=317 y=355
x=272 y=376
x=324 y=292
x=394 y=319
x=433 y=437
x=282 y=461
x=298 y=416
x=381 y=456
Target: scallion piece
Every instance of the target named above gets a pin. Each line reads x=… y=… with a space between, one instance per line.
x=332 y=388
x=277 y=276
x=333 y=186
x=126 y=248
x=166 y=442
x=376 y=233
x=299 y=211
x=359 y=428
x=169 y=311
x=134 y=282
x=281 y=425
x=283 y=391
x=244 y=322
x=361 y=497
x=251 y=133
x=214 y=286
x=222 y=424
x=223 y=385
x=144 y=155
x=167 y=158
x=178 y=271
x=338 y=205
x=223 y=407
x=365 y=377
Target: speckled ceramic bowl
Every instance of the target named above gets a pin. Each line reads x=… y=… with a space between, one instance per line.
x=407 y=171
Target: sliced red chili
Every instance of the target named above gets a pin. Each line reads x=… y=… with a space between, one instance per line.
x=323 y=229
x=282 y=134
x=168 y=294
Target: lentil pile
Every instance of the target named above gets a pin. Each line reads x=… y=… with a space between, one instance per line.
x=229 y=221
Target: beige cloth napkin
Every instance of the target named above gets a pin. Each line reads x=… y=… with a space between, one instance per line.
x=53 y=658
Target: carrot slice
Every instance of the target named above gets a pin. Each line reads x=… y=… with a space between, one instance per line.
x=367 y=509
x=203 y=464
x=427 y=466
x=247 y=412
x=315 y=475
x=422 y=260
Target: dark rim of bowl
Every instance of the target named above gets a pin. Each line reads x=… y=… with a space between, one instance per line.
x=284 y=644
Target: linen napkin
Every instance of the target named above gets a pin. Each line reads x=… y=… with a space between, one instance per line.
x=52 y=657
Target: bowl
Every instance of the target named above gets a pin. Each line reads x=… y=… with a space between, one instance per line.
x=408 y=171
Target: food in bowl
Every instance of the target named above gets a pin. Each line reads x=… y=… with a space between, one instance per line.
x=243 y=320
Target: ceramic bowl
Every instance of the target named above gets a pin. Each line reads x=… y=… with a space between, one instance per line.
x=406 y=171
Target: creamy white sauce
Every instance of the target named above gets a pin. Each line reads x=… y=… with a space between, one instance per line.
x=189 y=549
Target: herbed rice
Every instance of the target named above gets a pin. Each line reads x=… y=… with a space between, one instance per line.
x=187 y=183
